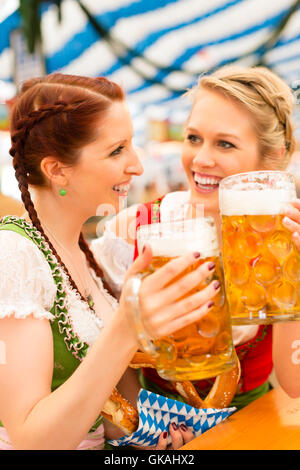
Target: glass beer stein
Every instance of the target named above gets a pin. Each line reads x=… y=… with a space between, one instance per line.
x=261 y=264
x=203 y=349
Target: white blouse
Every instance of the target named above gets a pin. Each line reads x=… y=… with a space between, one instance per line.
x=27 y=288
x=115 y=255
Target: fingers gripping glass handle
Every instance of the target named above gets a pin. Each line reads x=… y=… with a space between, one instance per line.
x=132 y=300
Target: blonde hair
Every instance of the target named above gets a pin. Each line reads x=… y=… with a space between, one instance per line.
x=269 y=101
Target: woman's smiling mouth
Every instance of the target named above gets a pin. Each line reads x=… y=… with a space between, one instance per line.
x=122 y=189
x=206 y=183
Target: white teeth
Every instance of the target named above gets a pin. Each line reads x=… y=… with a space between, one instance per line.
x=122 y=188
x=205 y=180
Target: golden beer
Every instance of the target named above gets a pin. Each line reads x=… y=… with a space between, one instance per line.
x=261 y=263
x=203 y=349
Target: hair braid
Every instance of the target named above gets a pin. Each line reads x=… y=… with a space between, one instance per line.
x=92 y=262
x=277 y=102
x=18 y=138
x=29 y=206
x=43 y=112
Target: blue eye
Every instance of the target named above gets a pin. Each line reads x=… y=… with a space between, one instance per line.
x=117 y=151
x=226 y=145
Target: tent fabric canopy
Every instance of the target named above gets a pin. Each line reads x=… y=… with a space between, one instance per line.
x=157 y=49
x=181 y=34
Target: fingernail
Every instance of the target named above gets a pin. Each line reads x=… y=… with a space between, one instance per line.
x=296 y=235
x=165 y=434
x=211 y=266
x=183 y=427
x=174 y=426
x=210 y=304
x=216 y=285
x=196 y=254
x=286 y=220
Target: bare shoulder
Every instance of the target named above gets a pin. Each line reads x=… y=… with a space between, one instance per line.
x=124 y=224
x=26 y=367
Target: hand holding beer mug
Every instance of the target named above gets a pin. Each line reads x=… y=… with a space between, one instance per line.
x=261 y=264
x=201 y=349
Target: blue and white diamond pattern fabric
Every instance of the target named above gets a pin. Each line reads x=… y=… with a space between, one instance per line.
x=157 y=412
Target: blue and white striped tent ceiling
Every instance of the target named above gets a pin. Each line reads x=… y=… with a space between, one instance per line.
x=173 y=41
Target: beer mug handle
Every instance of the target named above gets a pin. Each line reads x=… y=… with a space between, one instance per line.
x=132 y=302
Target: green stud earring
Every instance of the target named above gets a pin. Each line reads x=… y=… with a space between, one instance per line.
x=62 y=192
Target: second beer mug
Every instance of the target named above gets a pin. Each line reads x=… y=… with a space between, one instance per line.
x=261 y=264
x=203 y=349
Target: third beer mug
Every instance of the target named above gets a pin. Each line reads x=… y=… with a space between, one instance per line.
x=261 y=264
x=203 y=349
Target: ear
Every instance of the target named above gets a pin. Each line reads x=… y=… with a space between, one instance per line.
x=55 y=171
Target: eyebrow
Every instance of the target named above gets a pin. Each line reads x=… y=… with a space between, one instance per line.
x=225 y=134
x=219 y=134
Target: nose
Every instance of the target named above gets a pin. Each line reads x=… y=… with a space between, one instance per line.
x=204 y=157
x=134 y=166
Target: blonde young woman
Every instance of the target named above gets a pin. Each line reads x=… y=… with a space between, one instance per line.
x=240 y=121
x=65 y=340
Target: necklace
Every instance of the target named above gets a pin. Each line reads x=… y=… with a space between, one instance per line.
x=88 y=296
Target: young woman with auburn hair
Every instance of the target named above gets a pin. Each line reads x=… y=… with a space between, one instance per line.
x=240 y=121
x=72 y=147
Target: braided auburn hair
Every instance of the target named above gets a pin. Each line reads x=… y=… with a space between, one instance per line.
x=55 y=115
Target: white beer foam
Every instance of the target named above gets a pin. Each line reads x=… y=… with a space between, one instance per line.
x=255 y=202
x=169 y=240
